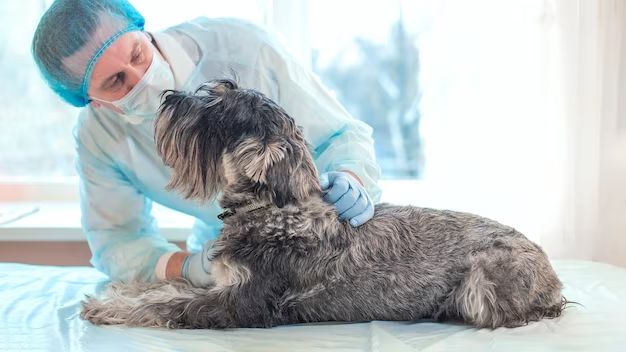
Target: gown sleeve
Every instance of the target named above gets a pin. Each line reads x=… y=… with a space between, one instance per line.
x=116 y=217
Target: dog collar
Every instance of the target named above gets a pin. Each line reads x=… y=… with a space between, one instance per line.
x=245 y=209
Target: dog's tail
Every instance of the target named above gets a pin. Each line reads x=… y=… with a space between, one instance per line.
x=501 y=289
x=169 y=304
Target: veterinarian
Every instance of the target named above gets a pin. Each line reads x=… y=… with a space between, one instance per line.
x=96 y=55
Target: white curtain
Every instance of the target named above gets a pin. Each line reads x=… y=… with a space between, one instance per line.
x=592 y=50
x=524 y=122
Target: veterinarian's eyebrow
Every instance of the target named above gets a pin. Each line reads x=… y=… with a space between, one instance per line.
x=109 y=81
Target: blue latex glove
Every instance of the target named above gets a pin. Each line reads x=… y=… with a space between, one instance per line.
x=197 y=266
x=348 y=196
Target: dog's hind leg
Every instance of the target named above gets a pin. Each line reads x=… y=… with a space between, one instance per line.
x=508 y=287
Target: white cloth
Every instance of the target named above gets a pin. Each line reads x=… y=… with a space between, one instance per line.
x=40 y=308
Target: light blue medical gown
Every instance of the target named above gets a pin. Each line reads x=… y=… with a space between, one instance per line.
x=121 y=173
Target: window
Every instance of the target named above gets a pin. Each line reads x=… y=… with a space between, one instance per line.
x=367 y=53
x=372 y=65
x=37 y=126
x=160 y=15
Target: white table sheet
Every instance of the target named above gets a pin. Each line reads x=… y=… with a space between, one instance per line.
x=39 y=307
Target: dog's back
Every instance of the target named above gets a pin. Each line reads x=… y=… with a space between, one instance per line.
x=409 y=263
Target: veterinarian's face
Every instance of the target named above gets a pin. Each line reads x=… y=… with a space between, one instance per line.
x=121 y=66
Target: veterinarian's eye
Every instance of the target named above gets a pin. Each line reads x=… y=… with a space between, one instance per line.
x=118 y=81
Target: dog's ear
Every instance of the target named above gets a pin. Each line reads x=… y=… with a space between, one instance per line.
x=255 y=158
x=279 y=183
x=282 y=168
x=294 y=177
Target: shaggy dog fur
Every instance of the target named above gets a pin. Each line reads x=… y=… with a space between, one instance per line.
x=283 y=255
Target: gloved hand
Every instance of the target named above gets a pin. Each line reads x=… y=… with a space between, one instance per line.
x=348 y=196
x=196 y=268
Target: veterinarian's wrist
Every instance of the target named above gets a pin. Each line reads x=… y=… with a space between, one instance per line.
x=170 y=265
x=353 y=175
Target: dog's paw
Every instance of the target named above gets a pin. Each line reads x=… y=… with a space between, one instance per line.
x=99 y=312
x=93 y=310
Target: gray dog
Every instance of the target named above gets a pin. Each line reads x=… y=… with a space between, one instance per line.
x=283 y=255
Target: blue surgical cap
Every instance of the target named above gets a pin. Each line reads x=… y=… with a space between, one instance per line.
x=72 y=35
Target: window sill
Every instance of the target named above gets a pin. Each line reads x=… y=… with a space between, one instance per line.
x=60 y=221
